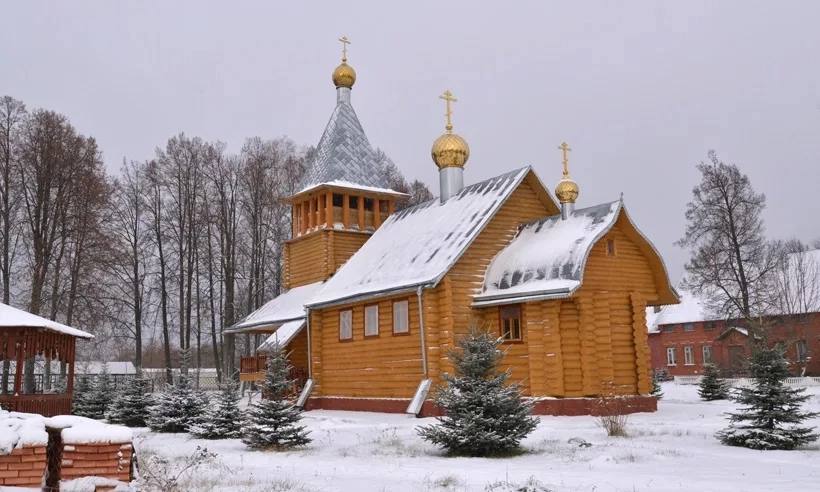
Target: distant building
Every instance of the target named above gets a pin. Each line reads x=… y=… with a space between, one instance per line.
x=683 y=337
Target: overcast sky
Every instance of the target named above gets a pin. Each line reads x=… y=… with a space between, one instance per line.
x=640 y=90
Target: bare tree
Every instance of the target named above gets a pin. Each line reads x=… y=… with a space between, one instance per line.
x=795 y=280
x=12 y=113
x=730 y=258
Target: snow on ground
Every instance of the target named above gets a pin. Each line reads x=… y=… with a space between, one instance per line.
x=672 y=449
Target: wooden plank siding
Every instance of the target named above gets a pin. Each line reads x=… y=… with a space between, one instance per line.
x=345 y=244
x=306 y=259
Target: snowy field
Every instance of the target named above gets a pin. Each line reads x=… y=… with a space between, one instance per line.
x=672 y=449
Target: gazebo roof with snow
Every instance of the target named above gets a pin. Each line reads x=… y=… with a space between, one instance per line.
x=11 y=317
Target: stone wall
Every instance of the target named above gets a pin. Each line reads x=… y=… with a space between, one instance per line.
x=24 y=467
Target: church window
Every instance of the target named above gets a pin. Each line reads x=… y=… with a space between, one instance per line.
x=371 y=320
x=346 y=325
x=401 y=322
x=511 y=323
x=610 y=247
x=338 y=200
x=353 y=202
x=368 y=204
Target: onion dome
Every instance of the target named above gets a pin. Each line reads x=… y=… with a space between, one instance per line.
x=450 y=149
x=344 y=75
x=567 y=189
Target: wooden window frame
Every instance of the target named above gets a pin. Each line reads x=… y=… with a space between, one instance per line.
x=341 y=312
x=364 y=320
x=703 y=351
x=501 y=318
x=393 y=315
x=611 y=248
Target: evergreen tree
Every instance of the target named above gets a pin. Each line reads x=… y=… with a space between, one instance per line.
x=273 y=422
x=222 y=419
x=711 y=386
x=80 y=397
x=178 y=407
x=100 y=395
x=657 y=389
x=771 y=413
x=483 y=414
x=130 y=404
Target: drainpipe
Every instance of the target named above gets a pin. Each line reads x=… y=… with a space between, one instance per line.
x=309 y=354
x=421 y=333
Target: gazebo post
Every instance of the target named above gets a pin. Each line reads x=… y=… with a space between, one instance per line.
x=18 y=371
x=70 y=360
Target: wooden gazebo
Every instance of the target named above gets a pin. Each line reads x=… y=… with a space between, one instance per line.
x=26 y=341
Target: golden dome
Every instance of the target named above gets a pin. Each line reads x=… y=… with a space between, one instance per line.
x=567 y=190
x=450 y=150
x=344 y=76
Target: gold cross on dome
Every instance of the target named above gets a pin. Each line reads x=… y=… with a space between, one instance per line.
x=564 y=148
x=448 y=98
x=344 y=42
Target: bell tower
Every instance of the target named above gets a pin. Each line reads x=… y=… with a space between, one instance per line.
x=344 y=196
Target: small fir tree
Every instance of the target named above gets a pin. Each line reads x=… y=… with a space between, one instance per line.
x=273 y=422
x=657 y=389
x=770 y=415
x=711 y=386
x=100 y=395
x=131 y=403
x=80 y=397
x=483 y=414
x=178 y=407
x=222 y=419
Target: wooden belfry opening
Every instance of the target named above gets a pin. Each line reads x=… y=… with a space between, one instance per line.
x=37 y=363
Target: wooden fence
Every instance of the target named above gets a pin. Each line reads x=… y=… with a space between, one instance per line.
x=793 y=381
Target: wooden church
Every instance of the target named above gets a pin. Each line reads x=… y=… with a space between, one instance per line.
x=376 y=298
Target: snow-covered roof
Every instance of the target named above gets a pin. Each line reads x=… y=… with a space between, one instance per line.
x=11 y=317
x=344 y=153
x=690 y=309
x=112 y=367
x=353 y=186
x=283 y=335
x=547 y=257
x=418 y=245
x=285 y=307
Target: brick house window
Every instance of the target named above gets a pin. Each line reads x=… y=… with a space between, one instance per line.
x=709 y=325
x=688 y=356
x=510 y=320
x=668 y=328
x=671 y=356
x=802 y=351
x=371 y=320
x=689 y=327
x=401 y=320
x=346 y=325
x=707 y=354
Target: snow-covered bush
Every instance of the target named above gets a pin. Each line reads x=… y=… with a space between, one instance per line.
x=771 y=414
x=131 y=403
x=176 y=408
x=484 y=415
x=222 y=419
x=711 y=386
x=273 y=422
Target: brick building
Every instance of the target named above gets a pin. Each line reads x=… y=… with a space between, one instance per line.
x=682 y=338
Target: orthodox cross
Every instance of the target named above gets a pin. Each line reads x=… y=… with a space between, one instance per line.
x=344 y=42
x=564 y=148
x=448 y=98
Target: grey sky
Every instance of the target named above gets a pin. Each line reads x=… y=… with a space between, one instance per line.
x=641 y=90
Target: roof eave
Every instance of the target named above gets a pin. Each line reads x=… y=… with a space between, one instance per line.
x=254 y=326
x=542 y=295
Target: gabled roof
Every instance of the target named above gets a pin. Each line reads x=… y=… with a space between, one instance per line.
x=344 y=153
x=286 y=307
x=418 y=245
x=547 y=258
x=283 y=335
x=11 y=317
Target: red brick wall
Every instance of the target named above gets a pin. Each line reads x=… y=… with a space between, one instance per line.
x=99 y=460
x=23 y=467
x=780 y=329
